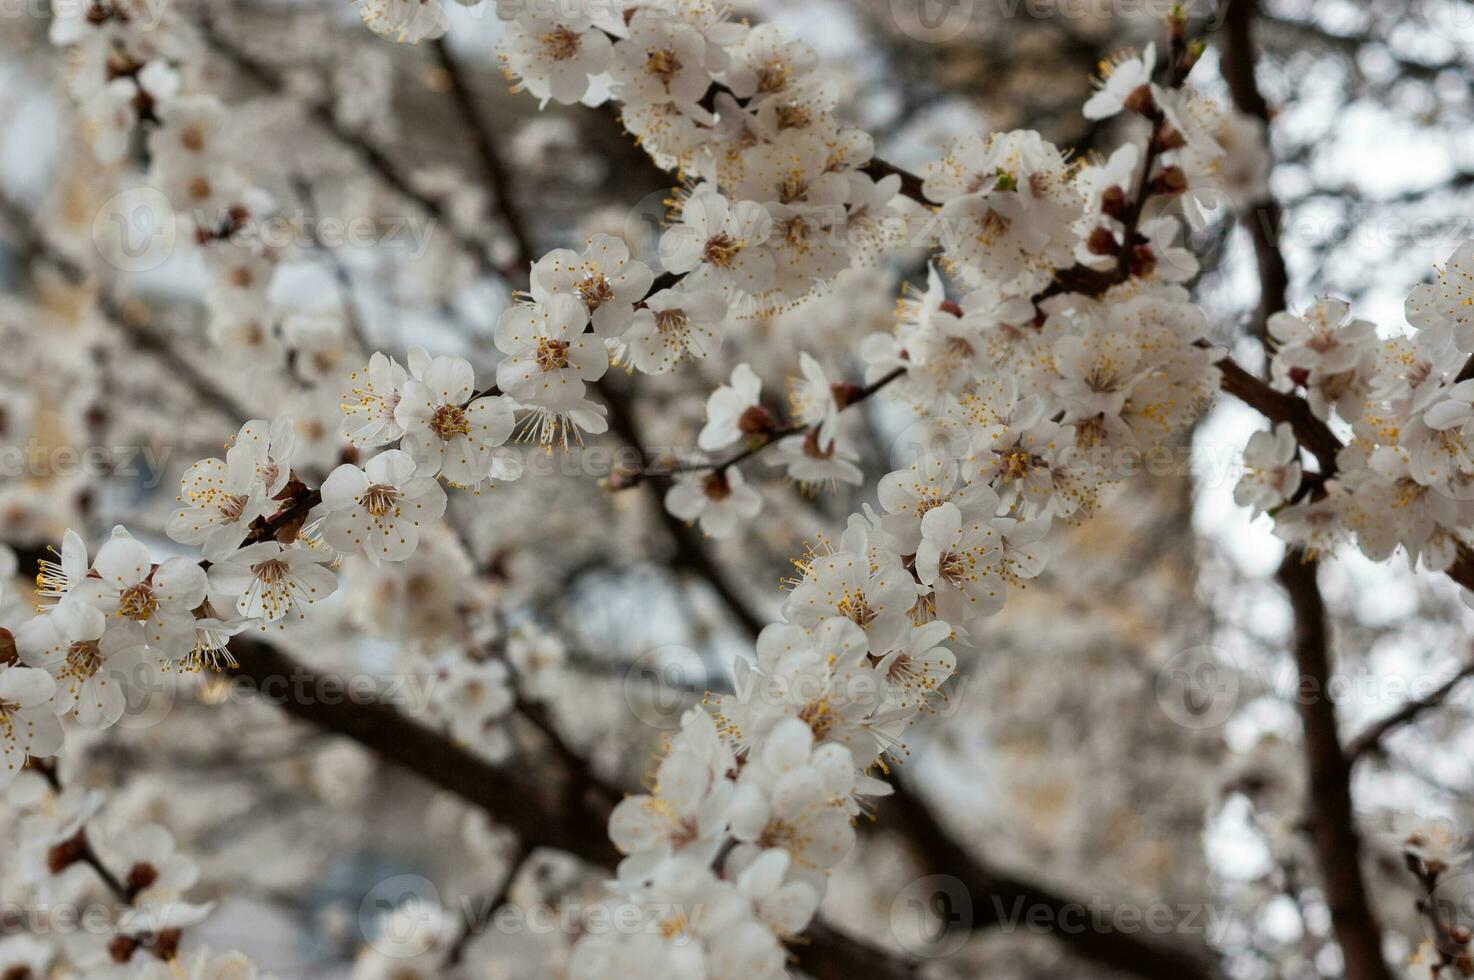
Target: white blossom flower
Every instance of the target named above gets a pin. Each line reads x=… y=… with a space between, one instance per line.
x=788 y=796
x=57 y=579
x=1272 y=469
x=734 y=412
x=378 y=510
x=369 y=406
x=1446 y=302
x=450 y=432
x=472 y=698
x=271 y=580
x=953 y=558
x=1121 y=84
x=720 y=499
x=662 y=60
x=674 y=324
x=28 y=725
x=815 y=464
x=686 y=810
x=547 y=348
x=552 y=59
x=1009 y=211
x=919 y=665
x=870 y=588
x=720 y=243
x=272 y=444
x=149 y=864
x=155 y=604
x=221 y=500
x=93 y=662
x=604 y=278
x=404 y=21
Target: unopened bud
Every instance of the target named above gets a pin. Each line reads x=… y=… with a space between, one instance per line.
x=1169 y=137
x=1113 y=202
x=1176 y=22
x=755 y=421
x=1143 y=261
x=166 y=944
x=1102 y=241
x=121 y=948
x=9 y=655
x=1194 y=52
x=948 y=306
x=67 y=853
x=141 y=876
x=1171 y=182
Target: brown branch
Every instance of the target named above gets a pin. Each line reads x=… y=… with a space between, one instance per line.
x=1332 y=811
x=999 y=900
x=1332 y=815
x=1373 y=736
x=505 y=793
x=508 y=793
x=1237 y=65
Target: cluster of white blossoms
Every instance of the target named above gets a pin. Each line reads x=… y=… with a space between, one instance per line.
x=1053 y=351
x=139 y=70
x=130 y=876
x=1405 y=478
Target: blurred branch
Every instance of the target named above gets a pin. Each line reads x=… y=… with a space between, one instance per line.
x=1371 y=739
x=1332 y=811
x=505 y=793
x=999 y=900
x=1333 y=817
x=36 y=247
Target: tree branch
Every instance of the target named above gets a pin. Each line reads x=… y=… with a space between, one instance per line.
x=1000 y=900
x=1372 y=737
x=1333 y=817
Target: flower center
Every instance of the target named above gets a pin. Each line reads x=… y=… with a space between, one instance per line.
x=137 y=602
x=1016 y=464
x=84 y=659
x=270 y=572
x=552 y=355
x=794 y=117
x=561 y=44
x=856 y=608
x=670 y=321
x=379 y=499
x=449 y=421
x=772 y=77
x=595 y=291
x=720 y=250
x=231 y=506
x=716 y=486
x=663 y=64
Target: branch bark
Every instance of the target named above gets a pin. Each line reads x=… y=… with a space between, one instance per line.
x=999 y=900
x=1332 y=817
